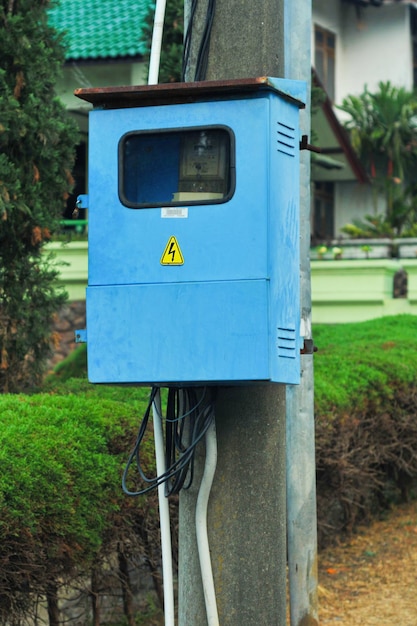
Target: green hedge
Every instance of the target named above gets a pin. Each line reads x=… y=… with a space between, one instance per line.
x=359 y=364
x=366 y=420
x=62 y=453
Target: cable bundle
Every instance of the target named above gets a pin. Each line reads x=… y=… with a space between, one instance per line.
x=189 y=413
x=202 y=56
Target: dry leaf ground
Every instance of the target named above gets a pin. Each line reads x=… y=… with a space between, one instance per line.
x=372 y=579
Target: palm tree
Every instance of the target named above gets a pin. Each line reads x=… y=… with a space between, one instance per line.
x=383 y=131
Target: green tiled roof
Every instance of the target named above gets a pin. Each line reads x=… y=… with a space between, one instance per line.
x=96 y=29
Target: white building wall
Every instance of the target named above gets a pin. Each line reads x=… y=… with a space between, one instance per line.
x=353 y=201
x=377 y=47
x=327 y=14
x=97 y=75
x=374 y=47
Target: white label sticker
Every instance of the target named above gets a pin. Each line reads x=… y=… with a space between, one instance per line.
x=174 y=211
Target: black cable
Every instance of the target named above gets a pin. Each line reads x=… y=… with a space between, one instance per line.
x=203 y=52
x=187 y=40
x=202 y=57
x=189 y=413
x=185 y=440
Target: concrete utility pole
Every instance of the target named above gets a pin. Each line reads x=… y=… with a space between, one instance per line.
x=246 y=517
x=301 y=467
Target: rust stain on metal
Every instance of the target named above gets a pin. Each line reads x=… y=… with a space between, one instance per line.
x=168 y=93
x=308 y=620
x=308 y=347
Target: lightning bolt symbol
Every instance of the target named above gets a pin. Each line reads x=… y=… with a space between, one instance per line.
x=172 y=250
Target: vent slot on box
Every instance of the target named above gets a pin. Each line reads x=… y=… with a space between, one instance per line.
x=286 y=139
x=286 y=343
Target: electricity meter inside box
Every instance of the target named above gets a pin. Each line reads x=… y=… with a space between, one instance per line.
x=170 y=167
x=193 y=233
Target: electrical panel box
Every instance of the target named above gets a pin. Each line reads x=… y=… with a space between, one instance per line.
x=193 y=210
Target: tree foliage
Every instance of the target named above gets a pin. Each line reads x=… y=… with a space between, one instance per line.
x=37 y=141
x=383 y=131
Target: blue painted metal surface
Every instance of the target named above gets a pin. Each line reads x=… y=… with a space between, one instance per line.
x=81 y=336
x=230 y=311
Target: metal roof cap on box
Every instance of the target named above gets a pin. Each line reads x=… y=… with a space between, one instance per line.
x=174 y=93
x=100 y=29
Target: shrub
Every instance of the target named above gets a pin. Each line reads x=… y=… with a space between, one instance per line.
x=62 y=509
x=366 y=420
x=64 y=516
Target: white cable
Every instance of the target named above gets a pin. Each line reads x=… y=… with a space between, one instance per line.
x=158 y=27
x=167 y=574
x=201 y=526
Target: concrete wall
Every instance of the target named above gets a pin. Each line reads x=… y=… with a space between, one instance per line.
x=69 y=319
x=356 y=291
x=344 y=290
x=72 y=262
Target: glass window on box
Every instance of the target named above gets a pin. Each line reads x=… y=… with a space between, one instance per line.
x=176 y=167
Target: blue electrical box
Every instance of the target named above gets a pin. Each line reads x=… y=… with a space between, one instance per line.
x=193 y=209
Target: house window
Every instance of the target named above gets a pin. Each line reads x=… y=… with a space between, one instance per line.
x=324 y=58
x=323 y=214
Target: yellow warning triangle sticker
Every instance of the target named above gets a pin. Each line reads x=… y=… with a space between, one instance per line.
x=172 y=254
